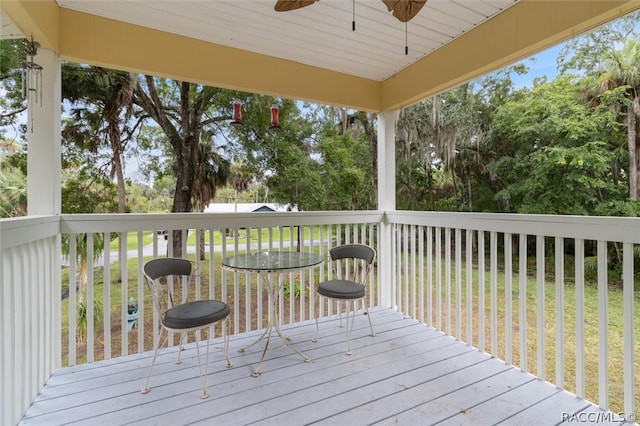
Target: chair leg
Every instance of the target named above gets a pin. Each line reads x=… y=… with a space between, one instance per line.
x=350 y=327
x=203 y=375
x=315 y=337
x=225 y=330
x=161 y=340
x=366 y=309
x=182 y=336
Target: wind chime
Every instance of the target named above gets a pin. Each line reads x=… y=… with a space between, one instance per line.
x=32 y=77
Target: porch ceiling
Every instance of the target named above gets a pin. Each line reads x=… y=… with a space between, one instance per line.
x=311 y=53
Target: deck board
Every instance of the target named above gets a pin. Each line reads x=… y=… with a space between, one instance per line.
x=407 y=374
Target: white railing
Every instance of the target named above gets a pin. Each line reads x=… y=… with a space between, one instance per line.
x=114 y=334
x=464 y=274
x=29 y=310
x=469 y=276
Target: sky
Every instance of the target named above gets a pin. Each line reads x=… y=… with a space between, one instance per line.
x=540 y=64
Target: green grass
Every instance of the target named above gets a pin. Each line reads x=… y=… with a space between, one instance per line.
x=591 y=330
x=132 y=237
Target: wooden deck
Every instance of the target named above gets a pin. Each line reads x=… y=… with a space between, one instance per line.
x=408 y=374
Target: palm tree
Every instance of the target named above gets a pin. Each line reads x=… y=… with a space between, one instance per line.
x=241 y=177
x=622 y=70
x=102 y=118
x=212 y=172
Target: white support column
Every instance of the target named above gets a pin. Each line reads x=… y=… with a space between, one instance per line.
x=386 y=202
x=43 y=139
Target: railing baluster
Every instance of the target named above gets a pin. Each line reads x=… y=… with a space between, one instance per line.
x=469 y=292
x=139 y=321
x=438 y=255
x=481 y=294
x=447 y=278
x=580 y=308
x=628 y=332
x=559 y=249
x=458 y=262
x=248 y=311
x=420 y=256
x=89 y=302
x=404 y=293
x=540 y=272
x=493 y=291
x=413 y=252
x=508 y=299
x=429 y=276
x=106 y=294
x=522 y=301
x=603 y=325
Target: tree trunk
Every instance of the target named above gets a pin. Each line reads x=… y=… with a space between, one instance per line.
x=116 y=149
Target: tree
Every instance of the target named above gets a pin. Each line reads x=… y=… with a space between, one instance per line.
x=13 y=179
x=212 y=172
x=12 y=103
x=183 y=111
x=584 y=54
x=103 y=100
x=241 y=177
x=554 y=155
x=623 y=70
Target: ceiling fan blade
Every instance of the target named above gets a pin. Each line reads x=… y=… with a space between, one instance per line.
x=404 y=10
x=286 y=5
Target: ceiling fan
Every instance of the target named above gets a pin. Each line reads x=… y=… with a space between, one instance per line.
x=403 y=10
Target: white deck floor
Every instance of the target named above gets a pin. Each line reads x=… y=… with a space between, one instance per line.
x=408 y=374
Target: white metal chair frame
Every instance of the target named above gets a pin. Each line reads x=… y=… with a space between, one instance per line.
x=157 y=273
x=351 y=264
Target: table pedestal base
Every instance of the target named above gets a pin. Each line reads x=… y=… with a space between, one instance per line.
x=273 y=323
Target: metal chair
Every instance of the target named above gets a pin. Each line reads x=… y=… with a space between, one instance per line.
x=351 y=265
x=182 y=316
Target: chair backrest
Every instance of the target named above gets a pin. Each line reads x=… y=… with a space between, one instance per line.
x=156 y=272
x=353 y=251
x=352 y=261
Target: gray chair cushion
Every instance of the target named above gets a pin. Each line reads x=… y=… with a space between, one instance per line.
x=341 y=289
x=195 y=314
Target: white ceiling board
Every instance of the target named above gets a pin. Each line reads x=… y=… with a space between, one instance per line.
x=319 y=35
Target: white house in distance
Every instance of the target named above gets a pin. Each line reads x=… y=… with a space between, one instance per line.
x=248 y=207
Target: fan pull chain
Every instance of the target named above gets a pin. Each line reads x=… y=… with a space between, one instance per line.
x=353 y=22
x=406 y=38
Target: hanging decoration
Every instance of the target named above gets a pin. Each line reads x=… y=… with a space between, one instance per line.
x=32 y=77
x=275 y=117
x=236 y=119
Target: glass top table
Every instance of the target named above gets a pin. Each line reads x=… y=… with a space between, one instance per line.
x=272 y=261
x=266 y=264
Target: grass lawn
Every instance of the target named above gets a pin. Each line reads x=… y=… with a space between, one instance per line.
x=591 y=322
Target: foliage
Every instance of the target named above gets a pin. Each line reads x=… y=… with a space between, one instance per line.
x=12 y=102
x=13 y=182
x=584 y=54
x=553 y=153
x=82 y=319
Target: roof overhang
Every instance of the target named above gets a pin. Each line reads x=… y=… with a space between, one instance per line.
x=519 y=31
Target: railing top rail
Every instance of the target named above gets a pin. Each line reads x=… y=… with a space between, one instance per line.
x=139 y=222
x=619 y=229
x=22 y=230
